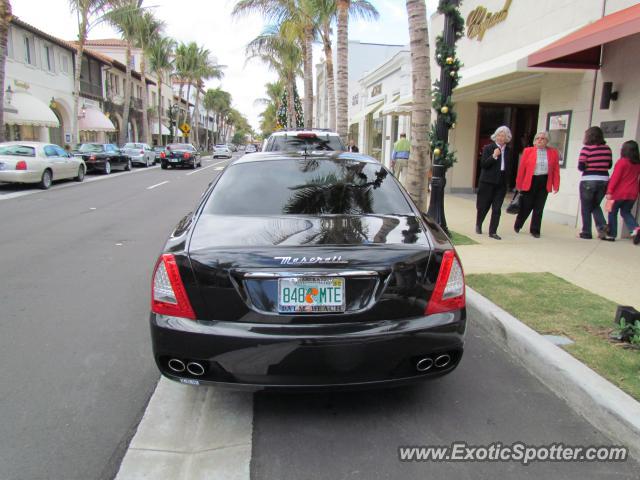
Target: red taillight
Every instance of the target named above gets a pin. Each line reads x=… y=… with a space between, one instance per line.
x=307 y=135
x=186 y=156
x=168 y=296
x=163 y=155
x=141 y=152
x=449 y=291
x=21 y=165
x=92 y=158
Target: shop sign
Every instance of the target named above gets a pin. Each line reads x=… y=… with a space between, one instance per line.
x=376 y=90
x=480 y=20
x=614 y=129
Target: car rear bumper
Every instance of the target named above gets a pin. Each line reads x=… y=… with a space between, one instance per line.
x=94 y=165
x=308 y=357
x=20 y=176
x=178 y=162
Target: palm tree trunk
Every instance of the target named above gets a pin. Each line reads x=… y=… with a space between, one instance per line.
x=342 y=113
x=5 y=18
x=206 y=131
x=127 y=98
x=291 y=104
x=188 y=112
x=421 y=109
x=160 y=142
x=331 y=86
x=308 y=77
x=145 y=103
x=196 y=114
x=177 y=119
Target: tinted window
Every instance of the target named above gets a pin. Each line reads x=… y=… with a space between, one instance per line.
x=91 y=147
x=180 y=146
x=60 y=151
x=17 y=150
x=50 y=151
x=284 y=143
x=306 y=187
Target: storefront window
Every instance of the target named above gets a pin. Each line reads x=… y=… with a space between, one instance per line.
x=558 y=124
x=376 y=139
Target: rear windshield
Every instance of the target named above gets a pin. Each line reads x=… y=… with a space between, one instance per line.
x=90 y=147
x=180 y=146
x=17 y=150
x=307 y=187
x=133 y=145
x=287 y=143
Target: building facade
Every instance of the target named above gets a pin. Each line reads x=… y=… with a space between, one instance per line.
x=546 y=68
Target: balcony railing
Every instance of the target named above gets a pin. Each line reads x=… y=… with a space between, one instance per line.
x=90 y=88
x=136 y=103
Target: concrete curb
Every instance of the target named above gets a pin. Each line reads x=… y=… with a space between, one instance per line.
x=601 y=403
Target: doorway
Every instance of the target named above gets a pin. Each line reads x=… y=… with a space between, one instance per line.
x=521 y=119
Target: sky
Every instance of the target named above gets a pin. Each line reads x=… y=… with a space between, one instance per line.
x=209 y=23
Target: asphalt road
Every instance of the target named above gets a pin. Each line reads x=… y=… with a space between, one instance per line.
x=77 y=369
x=75 y=268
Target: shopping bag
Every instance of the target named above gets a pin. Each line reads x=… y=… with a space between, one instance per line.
x=515 y=204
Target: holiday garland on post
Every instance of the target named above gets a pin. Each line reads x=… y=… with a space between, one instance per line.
x=281 y=117
x=450 y=67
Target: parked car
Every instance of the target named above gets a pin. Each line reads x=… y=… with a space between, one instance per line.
x=37 y=162
x=233 y=147
x=307 y=272
x=102 y=157
x=140 y=154
x=308 y=140
x=180 y=155
x=158 y=151
x=222 y=151
x=251 y=148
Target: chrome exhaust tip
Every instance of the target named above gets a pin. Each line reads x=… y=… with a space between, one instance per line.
x=195 y=368
x=176 y=365
x=424 y=364
x=442 y=361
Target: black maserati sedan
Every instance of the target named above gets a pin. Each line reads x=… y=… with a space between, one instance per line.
x=102 y=157
x=180 y=155
x=306 y=272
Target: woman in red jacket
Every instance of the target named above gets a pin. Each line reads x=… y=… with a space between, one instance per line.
x=623 y=189
x=538 y=174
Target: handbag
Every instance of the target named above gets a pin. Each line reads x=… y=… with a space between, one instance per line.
x=515 y=204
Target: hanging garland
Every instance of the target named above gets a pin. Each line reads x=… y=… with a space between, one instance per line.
x=281 y=117
x=450 y=65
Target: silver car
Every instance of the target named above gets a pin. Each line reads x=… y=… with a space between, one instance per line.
x=38 y=162
x=140 y=154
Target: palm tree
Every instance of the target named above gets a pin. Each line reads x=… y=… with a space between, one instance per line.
x=148 y=30
x=125 y=19
x=421 y=109
x=221 y=105
x=5 y=20
x=160 y=54
x=89 y=13
x=282 y=55
x=209 y=104
x=204 y=69
x=181 y=73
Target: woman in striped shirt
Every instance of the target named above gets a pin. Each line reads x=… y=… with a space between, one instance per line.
x=594 y=163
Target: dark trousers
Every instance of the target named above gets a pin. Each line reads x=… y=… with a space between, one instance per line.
x=533 y=201
x=591 y=194
x=490 y=196
x=624 y=206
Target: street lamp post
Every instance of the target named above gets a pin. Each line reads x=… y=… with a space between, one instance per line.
x=172 y=114
x=449 y=66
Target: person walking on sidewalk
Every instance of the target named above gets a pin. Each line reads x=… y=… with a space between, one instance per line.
x=495 y=171
x=400 y=156
x=353 y=148
x=538 y=174
x=623 y=190
x=594 y=163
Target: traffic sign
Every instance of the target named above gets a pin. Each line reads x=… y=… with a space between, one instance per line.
x=185 y=128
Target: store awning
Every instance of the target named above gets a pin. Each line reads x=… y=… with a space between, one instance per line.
x=25 y=109
x=581 y=49
x=154 y=129
x=373 y=108
x=399 y=106
x=95 y=121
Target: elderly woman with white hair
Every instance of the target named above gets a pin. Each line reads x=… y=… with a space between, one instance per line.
x=495 y=170
x=538 y=175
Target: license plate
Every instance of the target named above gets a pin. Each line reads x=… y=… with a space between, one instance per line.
x=174 y=160
x=311 y=295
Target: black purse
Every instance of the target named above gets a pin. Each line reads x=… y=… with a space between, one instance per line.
x=515 y=204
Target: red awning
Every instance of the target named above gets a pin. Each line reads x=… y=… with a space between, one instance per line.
x=581 y=49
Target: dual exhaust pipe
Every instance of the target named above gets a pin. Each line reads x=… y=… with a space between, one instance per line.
x=194 y=368
x=426 y=363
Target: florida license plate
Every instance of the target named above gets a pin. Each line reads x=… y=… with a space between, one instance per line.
x=311 y=295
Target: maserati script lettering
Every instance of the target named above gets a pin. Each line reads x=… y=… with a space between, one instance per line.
x=311 y=260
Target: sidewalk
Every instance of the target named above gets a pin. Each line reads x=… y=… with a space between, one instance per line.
x=609 y=269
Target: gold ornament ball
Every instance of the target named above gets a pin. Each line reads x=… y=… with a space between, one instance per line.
x=449 y=60
x=445 y=109
x=437 y=152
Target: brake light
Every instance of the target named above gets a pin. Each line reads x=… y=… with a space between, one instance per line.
x=449 y=291
x=21 y=165
x=307 y=135
x=163 y=155
x=168 y=296
x=141 y=152
x=92 y=158
x=186 y=156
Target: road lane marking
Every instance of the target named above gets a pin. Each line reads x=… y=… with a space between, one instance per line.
x=157 y=185
x=208 y=166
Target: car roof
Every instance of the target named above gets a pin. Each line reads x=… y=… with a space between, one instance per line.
x=293 y=156
x=27 y=144
x=297 y=132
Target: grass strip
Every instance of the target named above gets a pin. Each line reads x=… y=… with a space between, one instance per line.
x=551 y=305
x=459 y=239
